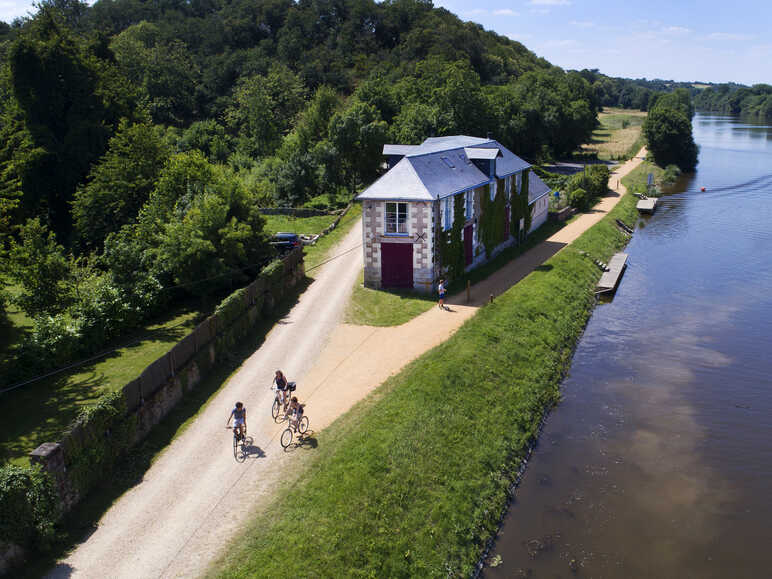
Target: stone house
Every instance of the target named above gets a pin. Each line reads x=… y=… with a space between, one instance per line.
x=410 y=211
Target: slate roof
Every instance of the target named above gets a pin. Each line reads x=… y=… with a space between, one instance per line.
x=439 y=167
x=536 y=187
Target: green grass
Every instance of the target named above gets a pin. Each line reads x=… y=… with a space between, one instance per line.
x=315 y=255
x=618 y=136
x=301 y=225
x=38 y=412
x=412 y=481
x=370 y=307
x=636 y=180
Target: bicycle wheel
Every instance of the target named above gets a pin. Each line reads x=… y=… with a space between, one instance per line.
x=235 y=445
x=303 y=425
x=286 y=437
x=275 y=408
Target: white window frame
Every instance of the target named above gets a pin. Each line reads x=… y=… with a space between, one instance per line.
x=508 y=185
x=469 y=205
x=401 y=228
x=447 y=213
x=493 y=187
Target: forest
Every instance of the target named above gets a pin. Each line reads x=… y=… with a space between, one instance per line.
x=138 y=138
x=754 y=101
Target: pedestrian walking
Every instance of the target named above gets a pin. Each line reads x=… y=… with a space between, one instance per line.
x=441 y=291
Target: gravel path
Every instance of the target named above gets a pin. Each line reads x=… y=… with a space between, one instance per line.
x=195 y=497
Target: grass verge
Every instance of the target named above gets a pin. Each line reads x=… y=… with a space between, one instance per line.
x=38 y=412
x=370 y=307
x=636 y=180
x=130 y=470
x=413 y=480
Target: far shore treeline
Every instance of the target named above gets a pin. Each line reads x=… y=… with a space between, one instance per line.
x=138 y=138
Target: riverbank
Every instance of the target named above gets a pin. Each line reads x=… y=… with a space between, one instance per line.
x=413 y=480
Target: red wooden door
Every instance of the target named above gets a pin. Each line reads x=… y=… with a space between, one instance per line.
x=397 y=265
x=468 y=244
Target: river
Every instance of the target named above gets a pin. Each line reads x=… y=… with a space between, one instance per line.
x=658 y=460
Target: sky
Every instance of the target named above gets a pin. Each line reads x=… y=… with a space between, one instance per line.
x=708 y=40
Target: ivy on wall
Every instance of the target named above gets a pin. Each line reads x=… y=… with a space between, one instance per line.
x=492 y=226
x=450 y=244
x=520 y=208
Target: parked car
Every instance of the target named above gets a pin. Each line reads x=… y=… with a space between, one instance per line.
x=285 y=242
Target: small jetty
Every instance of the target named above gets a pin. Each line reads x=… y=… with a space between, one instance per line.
x=646 y=204
x=610 y=278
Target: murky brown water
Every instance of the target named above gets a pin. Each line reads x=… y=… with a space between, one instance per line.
x=658 y=461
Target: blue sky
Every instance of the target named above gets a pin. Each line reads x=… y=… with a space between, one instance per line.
x=710 y=40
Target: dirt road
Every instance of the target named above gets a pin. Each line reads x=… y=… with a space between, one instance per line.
x=195 y=497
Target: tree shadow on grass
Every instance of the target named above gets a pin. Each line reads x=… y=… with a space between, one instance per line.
x=130 y=470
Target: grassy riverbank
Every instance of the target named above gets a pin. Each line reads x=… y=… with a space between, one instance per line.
x=412 y=481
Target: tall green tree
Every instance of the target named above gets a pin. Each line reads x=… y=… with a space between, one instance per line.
x=57 y=88
x=668 y=133
x=120 y=183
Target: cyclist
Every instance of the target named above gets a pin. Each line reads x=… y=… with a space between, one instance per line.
x=281 y=388
x=295 y=412
x=239 y=415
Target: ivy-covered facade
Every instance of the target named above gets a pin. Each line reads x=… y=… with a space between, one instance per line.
x=444 y=207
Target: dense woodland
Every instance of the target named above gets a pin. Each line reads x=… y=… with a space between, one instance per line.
x=754 y=101
x=137 y=138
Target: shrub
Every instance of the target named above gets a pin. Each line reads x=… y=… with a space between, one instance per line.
x=671 y=174
x=580 y=199
x=28 y=505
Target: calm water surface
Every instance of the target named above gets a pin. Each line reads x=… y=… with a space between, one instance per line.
x=658 y=461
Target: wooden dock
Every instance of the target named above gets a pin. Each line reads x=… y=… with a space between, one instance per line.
x=610 y=278
x=646 y=205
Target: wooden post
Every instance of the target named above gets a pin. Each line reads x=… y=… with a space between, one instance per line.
x=491 y=298
x=468 y=291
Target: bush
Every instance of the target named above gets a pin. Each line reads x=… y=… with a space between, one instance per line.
x=580 y=199
x=671 y=174
x=29 y=506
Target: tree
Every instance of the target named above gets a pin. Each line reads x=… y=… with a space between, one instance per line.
x=37 y=263
x=358 y=134
x=669 y=137
x=56 y=88
x=120 y=184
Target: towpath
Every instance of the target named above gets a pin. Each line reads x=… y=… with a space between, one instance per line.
x=195 y=497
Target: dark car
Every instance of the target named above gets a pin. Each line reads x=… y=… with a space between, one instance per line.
x=285 y=242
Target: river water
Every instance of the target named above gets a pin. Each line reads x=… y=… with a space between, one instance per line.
x=658 y=460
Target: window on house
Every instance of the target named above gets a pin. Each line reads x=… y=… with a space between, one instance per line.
x=493 y=189
x=469 y=204
x=508 y=185
x=396 y=218
x=448 y=162
x=447 y=213
x=519 y=181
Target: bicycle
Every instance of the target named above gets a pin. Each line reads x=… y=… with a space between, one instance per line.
x=239 y=443
x=277 y=404
x=299 y=426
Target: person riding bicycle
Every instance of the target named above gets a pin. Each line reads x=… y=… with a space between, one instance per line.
x=295 y=412
x=239 y=415
x=281 y=388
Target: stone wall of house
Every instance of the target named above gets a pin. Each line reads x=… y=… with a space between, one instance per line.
x=421 y=219
x=372 y=229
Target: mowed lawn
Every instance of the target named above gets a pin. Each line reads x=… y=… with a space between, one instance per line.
x=38 y=412
x=619 y=134
x=299 y=225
